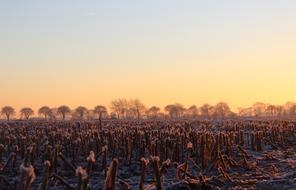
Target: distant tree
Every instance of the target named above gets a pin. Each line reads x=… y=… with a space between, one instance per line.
x=113 y=115
x=246 y=112
x=292 y=110
x=175 y=110
x=206 y=110
x=90 y=115
x=222 y=109
x=287 y=108
x=131 y=112
x=279 y=110
x=120 y=107
x=63 y=110
x=153 y=111
x=270 y=110
x=26 y=112
x=259 y=108
x=81 y=111
x=53 y=114
x=138 y=107
x=180 y=110
x=192 y=111
x=7 y=111
x=100 y=111
x=171 y=110
x=232 y=114
x=45 y=111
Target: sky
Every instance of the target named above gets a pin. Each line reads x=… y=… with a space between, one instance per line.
x=89 y=52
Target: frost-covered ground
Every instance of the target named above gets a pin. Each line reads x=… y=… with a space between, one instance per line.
x=274 y=167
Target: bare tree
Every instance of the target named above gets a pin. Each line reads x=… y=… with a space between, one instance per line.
x=63 y=110
x=245 y=112
x=270 y=110
x=287 y=108
x=180 y=109
x=45 y=110
x=120 y=107
x=292 y=110
x=138 y=107
x=153 y=111
x=175 y=110
x=259 y=108
x=8 y=111
x=206 y=110
x=80 y=111
x=53 y=113
x=192 y=111
x=113 y=115
x=171 y=110
x=101 y=111
x=26 y=112
x=279 y=110
x=131 y=112
x=222 y=109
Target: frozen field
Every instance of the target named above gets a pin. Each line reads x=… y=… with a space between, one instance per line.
x=162 y=154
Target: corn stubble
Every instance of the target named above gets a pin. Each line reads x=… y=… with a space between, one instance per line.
x=144 y=154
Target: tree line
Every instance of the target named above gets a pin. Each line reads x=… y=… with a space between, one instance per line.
x=135 y=109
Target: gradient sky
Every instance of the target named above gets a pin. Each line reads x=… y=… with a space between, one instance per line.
x=89 y=52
